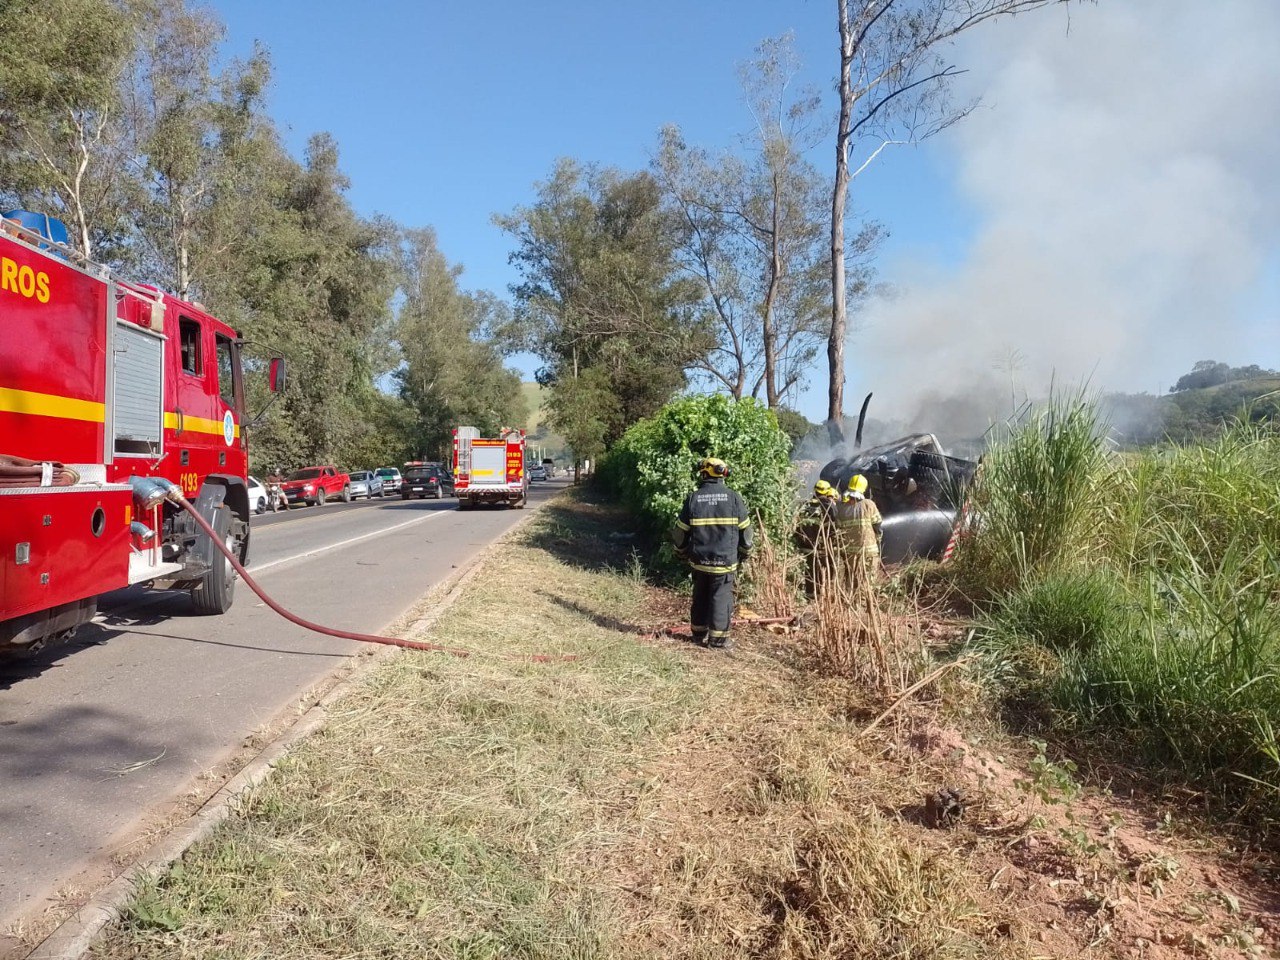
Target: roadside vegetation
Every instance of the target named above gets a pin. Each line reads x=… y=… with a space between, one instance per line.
x=1132 y=599
x=655 y=800
x=652 y=468
x=635 y=802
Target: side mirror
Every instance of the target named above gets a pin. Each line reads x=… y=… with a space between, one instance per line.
x=277 y=375
x=275 y=384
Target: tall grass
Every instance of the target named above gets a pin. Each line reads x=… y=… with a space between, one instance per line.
x=1142 y=596
x=1037 y=498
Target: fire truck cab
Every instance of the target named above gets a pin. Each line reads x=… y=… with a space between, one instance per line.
x=120 y=390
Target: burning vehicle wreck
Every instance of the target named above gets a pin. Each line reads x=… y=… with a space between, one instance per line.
x=917 y=487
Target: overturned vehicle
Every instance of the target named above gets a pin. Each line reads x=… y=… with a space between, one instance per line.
x=918 y=489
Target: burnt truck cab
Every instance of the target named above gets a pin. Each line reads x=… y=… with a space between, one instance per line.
x=917 y=487
x=121 y=382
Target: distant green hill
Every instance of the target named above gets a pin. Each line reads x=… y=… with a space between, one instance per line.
x=1191 y=415
x=533 y=393
x=540 y=435
x=1256 y=386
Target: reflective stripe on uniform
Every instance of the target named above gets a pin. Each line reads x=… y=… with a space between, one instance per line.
x=682 y=525
x=701 y=568
x=715 y=521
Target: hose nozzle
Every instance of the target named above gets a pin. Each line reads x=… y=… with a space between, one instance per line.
x=172 y=492
x=147 y=493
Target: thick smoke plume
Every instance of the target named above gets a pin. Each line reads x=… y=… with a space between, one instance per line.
x=1123 y=170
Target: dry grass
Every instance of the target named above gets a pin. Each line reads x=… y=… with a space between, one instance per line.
x=853 y=635
x=646 y=801
x=773 y=573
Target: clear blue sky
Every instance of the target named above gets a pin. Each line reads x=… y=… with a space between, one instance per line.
x=449 y=112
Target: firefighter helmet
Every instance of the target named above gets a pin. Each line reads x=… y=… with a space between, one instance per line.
x=858 y=484
x=713 y=467
x=824 y=489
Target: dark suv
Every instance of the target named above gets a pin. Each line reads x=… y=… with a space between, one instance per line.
x=425 y=480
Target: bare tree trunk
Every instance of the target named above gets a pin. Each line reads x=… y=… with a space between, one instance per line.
x=77 y=195
x=839 y=200
x=769 y=334
x=184 y=252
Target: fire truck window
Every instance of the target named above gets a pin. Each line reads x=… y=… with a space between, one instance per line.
x=226 y=370
x=189 y=333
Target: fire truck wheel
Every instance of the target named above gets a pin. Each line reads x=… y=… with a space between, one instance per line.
x=346 y=494
x=320 y=497
x=214 y=594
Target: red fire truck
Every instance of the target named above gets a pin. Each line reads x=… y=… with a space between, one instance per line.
x=489 y=470
x=111 y=393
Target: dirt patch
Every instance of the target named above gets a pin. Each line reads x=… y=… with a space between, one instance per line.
x=774 y=830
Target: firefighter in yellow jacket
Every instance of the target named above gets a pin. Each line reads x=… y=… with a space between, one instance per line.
x=713 y=535
x=817 y=511
x=858 y=523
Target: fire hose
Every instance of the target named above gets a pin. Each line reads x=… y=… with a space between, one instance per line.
x=174 y=495
x=21 y=472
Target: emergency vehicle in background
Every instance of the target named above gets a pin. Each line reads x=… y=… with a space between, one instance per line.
x=489 y=470
x=134 y=391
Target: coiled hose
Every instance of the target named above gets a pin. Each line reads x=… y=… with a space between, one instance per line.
x=175 y=496
x=21 y=472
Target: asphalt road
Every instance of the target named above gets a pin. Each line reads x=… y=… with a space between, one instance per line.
x=100 y=736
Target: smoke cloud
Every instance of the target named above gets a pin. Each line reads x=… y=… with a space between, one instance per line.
x=1123 y=168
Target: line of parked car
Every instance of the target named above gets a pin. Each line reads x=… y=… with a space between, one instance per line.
x=315 y=486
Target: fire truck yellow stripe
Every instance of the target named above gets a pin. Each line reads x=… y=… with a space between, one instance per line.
x=51 y=405
x=195 y=424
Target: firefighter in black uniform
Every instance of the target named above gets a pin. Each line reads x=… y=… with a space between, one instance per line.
x=713 y=535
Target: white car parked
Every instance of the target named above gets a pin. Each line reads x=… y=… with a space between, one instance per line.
x=257 y=496
x=391 y=479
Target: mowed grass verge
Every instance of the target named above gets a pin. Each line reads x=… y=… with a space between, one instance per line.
x=647 y=800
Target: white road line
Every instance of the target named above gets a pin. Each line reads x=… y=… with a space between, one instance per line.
x=258 y=571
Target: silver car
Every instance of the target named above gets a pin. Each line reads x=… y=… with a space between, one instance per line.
x=367 y=484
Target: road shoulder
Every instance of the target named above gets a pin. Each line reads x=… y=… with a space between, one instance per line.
x=194 y=817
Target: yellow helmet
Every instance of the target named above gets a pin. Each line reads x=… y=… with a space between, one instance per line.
x=858 y=484
x=823 y=489
x=713 y=467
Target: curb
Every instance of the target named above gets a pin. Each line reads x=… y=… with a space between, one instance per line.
x=72 y=939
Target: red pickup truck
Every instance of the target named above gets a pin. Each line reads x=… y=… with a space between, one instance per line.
x=315 y=485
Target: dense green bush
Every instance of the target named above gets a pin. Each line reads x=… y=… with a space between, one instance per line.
x=652 y=467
